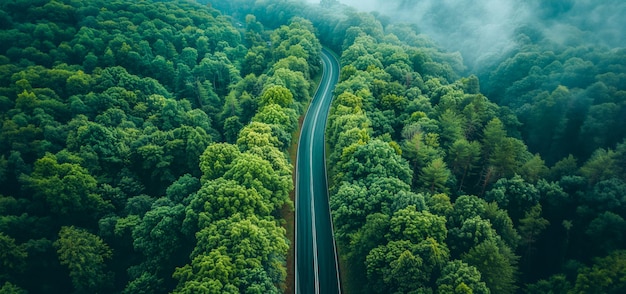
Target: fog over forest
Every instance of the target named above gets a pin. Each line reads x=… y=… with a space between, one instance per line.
x=481 y=30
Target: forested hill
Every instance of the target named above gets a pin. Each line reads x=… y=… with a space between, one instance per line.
x=144 y=149
x=436 y=188
x=144 y=146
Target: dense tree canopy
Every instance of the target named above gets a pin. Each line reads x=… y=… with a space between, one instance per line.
x=134 y=131
x=146 y=149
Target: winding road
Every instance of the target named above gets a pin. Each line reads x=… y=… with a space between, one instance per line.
x=316 y=267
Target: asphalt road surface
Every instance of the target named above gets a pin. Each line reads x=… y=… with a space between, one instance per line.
x=316 y=265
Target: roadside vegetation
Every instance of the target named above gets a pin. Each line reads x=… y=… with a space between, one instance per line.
x=144 y=150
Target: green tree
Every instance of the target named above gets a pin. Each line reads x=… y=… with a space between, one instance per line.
x=416 y=226
x=439 y=204
x=12 y=257
x=395 y=267
x=212 y=273
x=276 y=95
x=274 y=114
x=472 y=232
x=515 y=195
x=555 y=284
x=530 y=227
x=8 y=288
x=180 y=190
x=497 y=265
x=159 y=238
x=607 y=231
x=459 y=277
x=435 y=176
x=232 y=126
x=601 y=166
x=376 y=158
x=217 y=159
x=67 y=188
x=257 y=134
x=466 y=207
x=254 y=172
x=502 y=223
x=251 y=242
x=220 y=198
x=464 y=157
x=451 y=126
x=605 y=276
x=371 y=235
x=84 y=254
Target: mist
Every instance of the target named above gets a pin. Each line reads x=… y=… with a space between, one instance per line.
x=484 y=30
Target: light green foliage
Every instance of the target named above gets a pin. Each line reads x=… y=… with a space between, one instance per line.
x=276 y=95
x=435 y=176
x=297 y=40
x=84 y=254
x=493 y=134
x=66 y=187
x=217 y=159
x=601 y=166
x=222 y=198
x=395 y=267
x=350 y=208
x=459 y=277
x=605 y=276
x=8 y=288
x=211 y=273
x=254 y=172
x=466 y=207
x=274 y=114
x=534 y=169
x=145 y=283
x=251 y=242
x=376 y=158
x=416 y=226
x=354 y=202
x=451 y=125
x=294 y=81
x=497 y=265
x=439 y=204
x=257 y=134
x=564 y=167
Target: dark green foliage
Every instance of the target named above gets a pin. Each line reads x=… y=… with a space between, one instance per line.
x=164 y=126
x=113 y=114
x=84 y=254
x=605 y=276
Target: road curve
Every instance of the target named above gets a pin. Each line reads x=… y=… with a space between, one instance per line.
x=316 y=268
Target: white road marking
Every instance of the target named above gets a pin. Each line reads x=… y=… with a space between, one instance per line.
x=316 y=113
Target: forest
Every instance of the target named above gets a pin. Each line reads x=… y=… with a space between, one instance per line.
x=148 y=147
